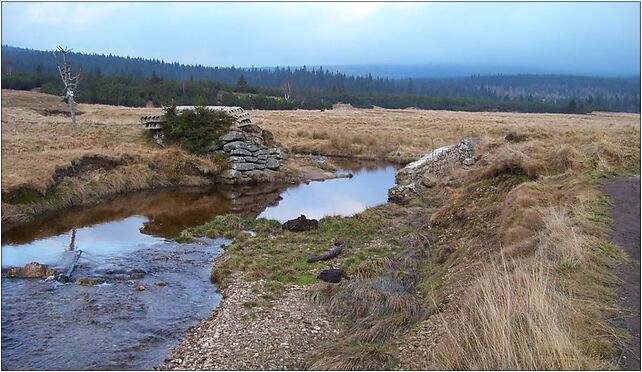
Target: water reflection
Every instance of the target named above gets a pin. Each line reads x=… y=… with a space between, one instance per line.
x=346 y=197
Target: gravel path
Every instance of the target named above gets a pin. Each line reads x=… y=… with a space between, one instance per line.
x=248 y=332
x=625 y=210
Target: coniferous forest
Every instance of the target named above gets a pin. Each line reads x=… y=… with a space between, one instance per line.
x=129 y=81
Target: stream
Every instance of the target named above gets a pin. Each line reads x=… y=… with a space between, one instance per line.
x=128 y=242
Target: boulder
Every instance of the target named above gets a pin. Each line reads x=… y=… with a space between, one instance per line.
x=276 y=152
x=272 y=164
x=230 y=174
x=13 y=272
x=300 y=223
x=251 y=159
x=331 y=275
x=430 y=168
x=429 y=180
x=468 y=162
x=33 y=270
x=257 y=176
x=240 y=152
x=232 y=136
x=228 y=147
x=259 y=166
x=242 y=166
x=89 y=281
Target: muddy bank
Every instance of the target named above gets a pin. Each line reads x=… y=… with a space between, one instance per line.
x=93 y=180
x=624 y=196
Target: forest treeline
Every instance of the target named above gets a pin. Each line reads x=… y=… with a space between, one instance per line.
x=154 y=91
x=137 y=81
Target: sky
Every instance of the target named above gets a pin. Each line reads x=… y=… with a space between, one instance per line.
x=582 y=38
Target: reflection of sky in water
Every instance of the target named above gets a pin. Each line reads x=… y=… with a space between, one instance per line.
x=342 y=196
x=105 y=239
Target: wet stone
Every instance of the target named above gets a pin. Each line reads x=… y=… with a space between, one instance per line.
x=89 y=281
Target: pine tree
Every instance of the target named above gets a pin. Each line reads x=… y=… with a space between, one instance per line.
x=242 y=82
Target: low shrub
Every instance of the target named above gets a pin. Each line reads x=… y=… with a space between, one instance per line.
x=195 y=130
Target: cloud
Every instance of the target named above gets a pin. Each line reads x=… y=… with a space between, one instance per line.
x=65 y=14
x=355 y=12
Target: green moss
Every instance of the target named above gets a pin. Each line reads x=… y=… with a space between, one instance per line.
x=24 y=196
x=281 y=256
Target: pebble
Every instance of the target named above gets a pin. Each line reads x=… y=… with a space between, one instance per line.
x=226 y=339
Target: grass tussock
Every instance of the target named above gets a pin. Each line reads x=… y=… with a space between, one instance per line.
x=542 y=300
x=512 y=320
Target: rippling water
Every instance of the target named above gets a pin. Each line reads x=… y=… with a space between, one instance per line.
x=127 y=242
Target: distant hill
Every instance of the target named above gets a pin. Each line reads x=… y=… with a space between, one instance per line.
x=617 y=94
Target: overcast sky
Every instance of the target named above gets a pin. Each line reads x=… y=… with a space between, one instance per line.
x=599 y=38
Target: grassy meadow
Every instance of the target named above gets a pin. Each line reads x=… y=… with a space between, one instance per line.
x=504 y=265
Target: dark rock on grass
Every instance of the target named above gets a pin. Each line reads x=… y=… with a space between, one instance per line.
x=332 y=275
x=300 y=224
x=334 y=252
x=514 y=137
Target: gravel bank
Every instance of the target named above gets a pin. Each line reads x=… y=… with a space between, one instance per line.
x=251 y=331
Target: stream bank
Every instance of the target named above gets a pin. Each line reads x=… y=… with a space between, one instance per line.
x=127 y=243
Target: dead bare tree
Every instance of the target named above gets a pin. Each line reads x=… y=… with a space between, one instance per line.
x=72 y=243
x=287 y=89
x=70 y=80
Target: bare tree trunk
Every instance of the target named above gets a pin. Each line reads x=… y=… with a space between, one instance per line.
x=72 y=108
x=72 y=244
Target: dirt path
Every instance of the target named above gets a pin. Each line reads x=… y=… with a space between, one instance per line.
x=625 y=210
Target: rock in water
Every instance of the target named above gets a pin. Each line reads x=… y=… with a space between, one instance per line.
x=33 y=270
x=140 y=288
x=300 y=224
x=13 y=272
x=331 y=275
x=89 y=281
x=160 y=283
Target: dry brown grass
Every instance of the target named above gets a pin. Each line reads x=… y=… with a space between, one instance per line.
x=512 y=320
x=525 y=272
x=401 y=135
x=530 y=286
x=33 y=144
